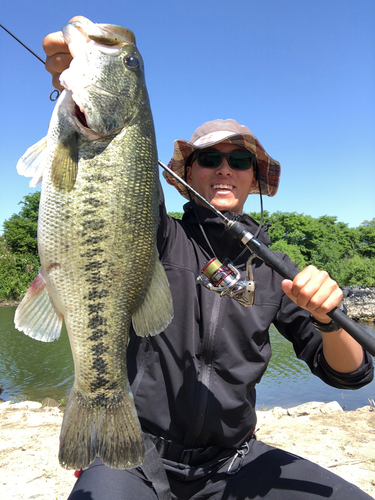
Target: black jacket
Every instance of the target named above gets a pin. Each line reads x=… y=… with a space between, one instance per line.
x=195 y=383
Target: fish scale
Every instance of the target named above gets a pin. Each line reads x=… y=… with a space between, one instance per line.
x=97 y=243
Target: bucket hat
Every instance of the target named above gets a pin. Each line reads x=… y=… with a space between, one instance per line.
x=228 y=131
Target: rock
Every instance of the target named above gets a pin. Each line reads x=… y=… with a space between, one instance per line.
x=304 y=409
x=50 y=402
x=360 y=302
x=330 y=407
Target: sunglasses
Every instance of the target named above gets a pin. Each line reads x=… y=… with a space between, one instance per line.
x=238 y=160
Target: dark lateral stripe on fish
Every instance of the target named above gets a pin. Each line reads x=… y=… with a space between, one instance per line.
x=99 y=348
x=97 y=334
x=92 y=225
x=100 y=365
x=95 y=278
x=96 y=321
x=96 y=308
x=94 y=294
x=92 y=252
x=94 y=240
x=94 y=202
x=98 y=177
x=99 y=383
x=95 y=264
x=89 y=211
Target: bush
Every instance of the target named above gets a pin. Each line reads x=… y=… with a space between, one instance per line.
x=17 y=271
x=359 y=271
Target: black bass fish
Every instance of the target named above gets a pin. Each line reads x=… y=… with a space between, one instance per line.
x=100 y=268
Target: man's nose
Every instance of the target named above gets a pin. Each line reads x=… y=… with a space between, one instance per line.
x=224 y=168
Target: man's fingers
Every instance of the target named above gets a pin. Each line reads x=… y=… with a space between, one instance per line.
x=54 y=43
x=314 y=290
x=58 y=63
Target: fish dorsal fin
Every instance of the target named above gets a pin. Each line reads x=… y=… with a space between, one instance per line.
x=156 y=311
x=36 y=316
x=64 y=167
x=31 y=164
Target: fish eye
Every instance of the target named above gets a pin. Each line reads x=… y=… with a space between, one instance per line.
x=132 y=62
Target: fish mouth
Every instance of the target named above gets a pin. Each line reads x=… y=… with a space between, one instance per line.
x=80 y=115
x=108 y=39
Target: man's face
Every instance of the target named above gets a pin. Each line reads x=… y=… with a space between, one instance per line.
x=223 y=187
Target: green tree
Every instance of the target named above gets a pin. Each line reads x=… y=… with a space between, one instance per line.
x=20 y=231
x=358 y=271
x=292 y=251
x=176 y=215
x=366 y=234
x=323 y=242
x=17 y=271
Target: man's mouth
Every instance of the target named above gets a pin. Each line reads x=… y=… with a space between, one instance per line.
x=221 y=187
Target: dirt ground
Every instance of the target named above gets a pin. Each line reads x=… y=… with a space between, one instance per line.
x=339 y=441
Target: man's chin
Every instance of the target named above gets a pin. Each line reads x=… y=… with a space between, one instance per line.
x=222 y=205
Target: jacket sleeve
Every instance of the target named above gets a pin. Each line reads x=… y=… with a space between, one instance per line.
x=167 y=227
x=295 y=325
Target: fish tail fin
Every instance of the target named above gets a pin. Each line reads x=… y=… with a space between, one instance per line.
x=36 y=316
x=156 y=311
x=111 y=432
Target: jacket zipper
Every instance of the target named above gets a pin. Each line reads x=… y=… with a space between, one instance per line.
x=206 y=372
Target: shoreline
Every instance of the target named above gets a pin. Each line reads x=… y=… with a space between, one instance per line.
x=365 y=319
x=8 y=303
x=338 y=440
x=361 y=320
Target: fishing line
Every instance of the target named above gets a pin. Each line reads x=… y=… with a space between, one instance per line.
x=55 y=93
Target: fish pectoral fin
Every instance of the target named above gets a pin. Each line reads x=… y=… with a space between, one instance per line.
x=36 y=316
x=31 y=164
x=156 y=311
x=64 y=168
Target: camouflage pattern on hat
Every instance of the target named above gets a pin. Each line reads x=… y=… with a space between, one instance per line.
x=231 y=132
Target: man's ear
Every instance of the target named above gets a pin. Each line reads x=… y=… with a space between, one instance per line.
x=254 y=183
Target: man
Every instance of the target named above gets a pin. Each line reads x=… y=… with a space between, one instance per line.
x=194 y=384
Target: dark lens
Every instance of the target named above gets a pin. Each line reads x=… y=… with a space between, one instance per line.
x=241 y=160
x=209 y=159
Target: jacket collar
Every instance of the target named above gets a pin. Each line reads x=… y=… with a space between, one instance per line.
x=216 y=229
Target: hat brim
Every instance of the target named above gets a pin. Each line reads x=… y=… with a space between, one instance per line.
x=268 y=168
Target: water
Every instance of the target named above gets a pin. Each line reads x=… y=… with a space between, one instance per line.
x=35 y=370
x=30 y=369
x=288 y=381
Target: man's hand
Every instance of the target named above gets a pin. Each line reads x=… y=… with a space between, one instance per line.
x=315 y=291
x=58 y=55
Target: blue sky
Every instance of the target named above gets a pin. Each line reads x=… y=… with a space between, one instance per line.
x=299 y=73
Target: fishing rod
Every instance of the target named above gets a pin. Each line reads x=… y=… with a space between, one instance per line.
x=56 y=92
x=19 y=41
x=271 y=259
